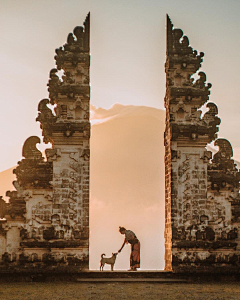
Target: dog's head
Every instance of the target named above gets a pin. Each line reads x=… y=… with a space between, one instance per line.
x=114 y=254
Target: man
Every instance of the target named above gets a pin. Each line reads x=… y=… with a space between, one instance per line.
x=131 y=238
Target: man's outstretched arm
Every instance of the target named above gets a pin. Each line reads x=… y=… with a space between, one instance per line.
x=121 y=247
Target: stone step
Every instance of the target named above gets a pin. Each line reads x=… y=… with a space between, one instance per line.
x=126 y=274
x=107 y=279
x=117 y=276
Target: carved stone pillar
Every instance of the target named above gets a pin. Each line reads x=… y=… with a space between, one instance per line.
x=69 y=131
x=46 y=222
x=198 y=191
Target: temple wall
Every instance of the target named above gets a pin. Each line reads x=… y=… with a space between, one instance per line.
x=189 y=175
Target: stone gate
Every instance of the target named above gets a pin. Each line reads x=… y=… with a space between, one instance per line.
x=45 y=224
x=202 y=202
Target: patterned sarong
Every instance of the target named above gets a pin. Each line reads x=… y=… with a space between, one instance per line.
x=135 y=255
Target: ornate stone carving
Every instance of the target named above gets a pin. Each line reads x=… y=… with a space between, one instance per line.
x=30 y=150
x=54 y=84
x=33 y=171
x=46 y=119
x=16 y=206
x=202 y=196
x=50 y=208
x=222 y=171
x=211 y=119
x=185 y=95
x=3 y=207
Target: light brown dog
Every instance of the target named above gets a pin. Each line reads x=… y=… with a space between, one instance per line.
x=109 y=260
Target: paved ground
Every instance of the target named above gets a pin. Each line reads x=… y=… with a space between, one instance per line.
x=118 y=290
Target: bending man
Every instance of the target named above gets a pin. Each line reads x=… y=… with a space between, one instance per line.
x=131 y=238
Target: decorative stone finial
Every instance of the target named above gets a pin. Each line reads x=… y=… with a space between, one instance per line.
x=225 y=150
x=30 y=150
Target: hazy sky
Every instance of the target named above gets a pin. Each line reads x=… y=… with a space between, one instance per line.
x=127 y=57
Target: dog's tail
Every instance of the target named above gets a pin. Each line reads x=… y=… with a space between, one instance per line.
x=103 y=255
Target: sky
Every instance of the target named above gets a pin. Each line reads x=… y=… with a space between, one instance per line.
x=128 y=47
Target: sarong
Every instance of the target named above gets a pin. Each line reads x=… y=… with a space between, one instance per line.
x=135 y=255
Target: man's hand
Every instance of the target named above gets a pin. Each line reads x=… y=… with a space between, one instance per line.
x=119 y=250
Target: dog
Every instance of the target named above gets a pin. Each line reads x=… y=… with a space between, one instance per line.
x=109 y=260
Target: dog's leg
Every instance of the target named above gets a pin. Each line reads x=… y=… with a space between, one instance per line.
x=111 y=267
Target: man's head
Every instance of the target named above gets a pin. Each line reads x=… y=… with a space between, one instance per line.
x=122 y=230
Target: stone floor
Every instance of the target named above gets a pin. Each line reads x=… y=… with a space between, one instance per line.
x=118 y=290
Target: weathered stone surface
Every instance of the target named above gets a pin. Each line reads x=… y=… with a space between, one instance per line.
x=202 y=196
x=33 y=171
x=47 y=217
